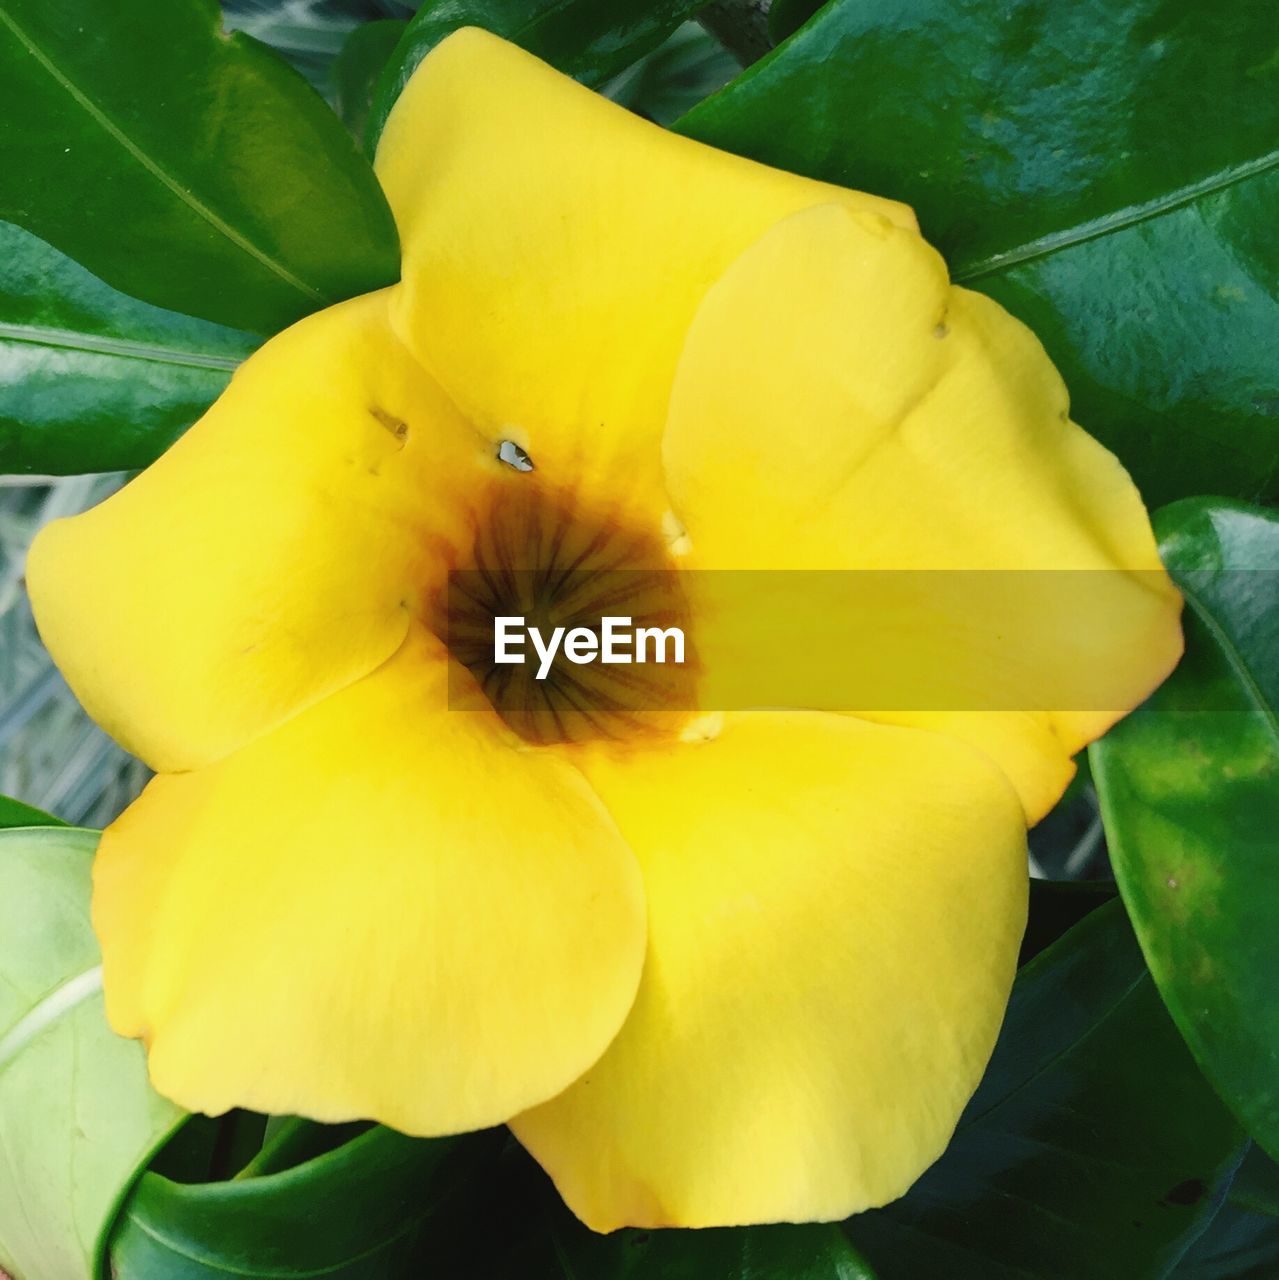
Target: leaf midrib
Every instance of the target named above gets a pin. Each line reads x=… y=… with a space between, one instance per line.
x=1234 y=656
x=122 y=348
x=1120 y=220
x=118 y=135
x=37 y=1020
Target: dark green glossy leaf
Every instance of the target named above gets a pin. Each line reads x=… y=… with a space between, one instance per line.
x=356 y=1212
x=512 y=1225
x=90 y=379
x=664 y=84
x=591 y=40
x=1190 y=793
x=1239 y=1245
x=1256 y=1185
x=1093 y=1148
x=1242 y=1243
x=785 y=17
x=14 y=813
x=1108 y=172
x=183 y=166
x=814 y=1251
x=356 y=69
x=78 y=1120
x=1056 y=906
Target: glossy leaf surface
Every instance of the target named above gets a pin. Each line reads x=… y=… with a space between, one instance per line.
x=91 y=379
x=1242 y=1241
x=78 y=1120
x=1190 y=794
x=1108 y=172
x=357 y=1212
x=590 y=40
x=1068 y=1162
x=664 y=84
x=183 y=166
x=785 y=17
x=512 y=1225
x=16 y=813
x=357 y=67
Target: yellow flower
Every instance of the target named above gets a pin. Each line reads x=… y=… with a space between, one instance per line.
x=739 y=969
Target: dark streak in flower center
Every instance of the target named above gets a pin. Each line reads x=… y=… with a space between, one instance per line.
x=542 y=555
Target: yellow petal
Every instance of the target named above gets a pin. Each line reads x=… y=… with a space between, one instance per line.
x=1025 y=745
x=273 y=555
x=555 y=247
x=840 y=406
x=834 y=915
x=383 y=909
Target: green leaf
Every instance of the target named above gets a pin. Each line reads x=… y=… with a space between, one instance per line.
x=591 y=40
x=77 y=1118
x=1056 y=906
x=1256 y=1185
x=90 y=379
x=785 y=17
x=1189 y=786
x=1107 y=172
x=355 y=71
x=1242 y=1243
x=357 y=1212
x=512 y=1225
x=813 y=1251
x=14 y=813
x=1093 y=1148
x=183 y=166
x=664 y=84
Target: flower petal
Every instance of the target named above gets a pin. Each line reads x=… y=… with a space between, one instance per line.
x=273 y=555
x=383 y=909
x=834 y=914
x=840 y=406
x=555 y=248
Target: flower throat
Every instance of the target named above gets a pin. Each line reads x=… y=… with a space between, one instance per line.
x=542 y=555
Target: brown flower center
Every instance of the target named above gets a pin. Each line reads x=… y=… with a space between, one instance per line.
x=544 y=557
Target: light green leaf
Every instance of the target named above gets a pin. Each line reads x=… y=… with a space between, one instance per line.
x=1189 y=786
x=183 y=166
x=1107 y=172
x=77 y=1118
x=90 y=379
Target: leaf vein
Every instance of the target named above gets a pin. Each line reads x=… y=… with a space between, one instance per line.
x=1234 y=656
x=1120 y=220
x=197 y=206
x=1043 y=1068
x=60 y=1000
x=123 y=348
